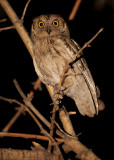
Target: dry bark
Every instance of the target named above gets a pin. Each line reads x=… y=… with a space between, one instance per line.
x=12 y=154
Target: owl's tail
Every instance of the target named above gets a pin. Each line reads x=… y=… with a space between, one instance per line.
x=84 y=109
x=83 y=97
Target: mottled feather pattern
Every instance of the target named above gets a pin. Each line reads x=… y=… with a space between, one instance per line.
x=53 y=48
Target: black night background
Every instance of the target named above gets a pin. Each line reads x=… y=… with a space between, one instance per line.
x=15 y=62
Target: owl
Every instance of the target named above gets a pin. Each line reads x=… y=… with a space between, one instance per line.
x=53 y=48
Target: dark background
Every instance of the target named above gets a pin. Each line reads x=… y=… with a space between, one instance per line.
x=15 y=62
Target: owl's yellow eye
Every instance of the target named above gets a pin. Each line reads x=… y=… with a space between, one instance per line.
x=41 y=24
x=55 y=23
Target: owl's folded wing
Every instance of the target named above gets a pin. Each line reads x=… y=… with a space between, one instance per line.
x=83 y=67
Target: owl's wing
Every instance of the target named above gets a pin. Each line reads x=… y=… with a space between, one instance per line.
x=83 y=67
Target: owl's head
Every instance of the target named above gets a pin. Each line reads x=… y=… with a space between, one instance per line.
x=49 y=25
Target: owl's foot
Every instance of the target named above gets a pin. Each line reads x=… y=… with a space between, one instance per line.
x=58 y=95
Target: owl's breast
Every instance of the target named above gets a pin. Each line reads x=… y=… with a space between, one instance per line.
x=48 y=61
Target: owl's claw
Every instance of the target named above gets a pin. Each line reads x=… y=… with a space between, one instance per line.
x=56 y=100
x=58 y=95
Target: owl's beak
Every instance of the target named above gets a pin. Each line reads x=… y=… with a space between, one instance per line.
x=48 y=30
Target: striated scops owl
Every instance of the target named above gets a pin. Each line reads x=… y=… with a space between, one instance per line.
x=53 y=48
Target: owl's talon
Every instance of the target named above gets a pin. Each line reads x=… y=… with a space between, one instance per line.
x=57 y=98
x=58 y=95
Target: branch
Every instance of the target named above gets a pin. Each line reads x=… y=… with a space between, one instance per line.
x=6 y=28
x=67 y=125
x=87 y=44
x=43 y=131
x=22 y=32
x=13 y=119
x=28 y=136
x=36 y=85
x=74 y=10
x=40 y=154
x=22 y=19
x=12 y=101
x=25 y=9
x=82 y=152
x=52 y=126
x=3 y=20
x=72 y=143
x=17 y=24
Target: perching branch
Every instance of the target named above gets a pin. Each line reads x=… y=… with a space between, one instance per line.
x=73 y=144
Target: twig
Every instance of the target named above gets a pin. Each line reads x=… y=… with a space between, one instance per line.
x=13 y=119
x=67 y=125
x=75 y=56
x=24 y=35
x=44 y=132
x=31 y=136
x=87 y=44
x=64 y=133
x=3 y=20
x=27 y=109
x=25 y=9
x=28 y=103
x=12 y=101
x=37 y=85
x=6 y=28
x=19 y=89
x=21 y=109
x=52 y=126
x=16 y=116
x=18 y=25
x=22 y=32
x=74 y=10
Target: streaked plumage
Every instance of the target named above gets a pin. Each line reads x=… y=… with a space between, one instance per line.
x=53 y=47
